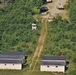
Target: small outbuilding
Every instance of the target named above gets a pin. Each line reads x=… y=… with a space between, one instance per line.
x=48 y=1
x=34 y=26
x=53 y=63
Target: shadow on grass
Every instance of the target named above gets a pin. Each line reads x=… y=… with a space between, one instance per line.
x=24 y=65
x=66 y=68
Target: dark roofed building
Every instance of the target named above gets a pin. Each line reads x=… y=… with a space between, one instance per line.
x=11 y=60
x=14 y=54
x=53 y=58
x=5 y=57
x=53 y=63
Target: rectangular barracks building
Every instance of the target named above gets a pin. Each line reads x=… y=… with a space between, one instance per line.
x=53 y=63
x=11 y=60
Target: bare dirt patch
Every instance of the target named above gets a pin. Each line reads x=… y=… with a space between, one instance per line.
x=54 y=11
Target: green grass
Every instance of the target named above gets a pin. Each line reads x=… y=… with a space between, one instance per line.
x=12 y=72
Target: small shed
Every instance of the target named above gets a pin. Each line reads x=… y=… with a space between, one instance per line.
x=53 y=64
x=48 y=1
x=34 y=26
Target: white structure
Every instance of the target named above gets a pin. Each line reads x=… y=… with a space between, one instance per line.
x=11 y=60
x=34 y=26
x=53 y=64
x=48 y=0
x=11 y=64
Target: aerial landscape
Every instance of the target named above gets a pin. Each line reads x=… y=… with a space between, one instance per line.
x=37 y=37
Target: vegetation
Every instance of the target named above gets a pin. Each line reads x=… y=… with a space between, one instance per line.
x=16 y=33
x=15 y=25
x=72 y=72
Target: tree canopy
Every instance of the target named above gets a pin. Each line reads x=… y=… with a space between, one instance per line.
x=15 y=25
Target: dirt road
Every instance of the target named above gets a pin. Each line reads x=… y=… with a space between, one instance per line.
x=39 y=45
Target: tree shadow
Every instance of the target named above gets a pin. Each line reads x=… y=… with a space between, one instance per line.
x=66 y=67
x=24 y=65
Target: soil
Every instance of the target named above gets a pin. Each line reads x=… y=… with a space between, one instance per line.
x=53 y=11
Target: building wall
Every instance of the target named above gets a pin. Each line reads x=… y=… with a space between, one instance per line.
x=52 y=68
x=34 y=28
x=11 y=66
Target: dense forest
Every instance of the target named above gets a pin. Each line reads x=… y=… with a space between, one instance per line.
x=16 y=18
x=61 y=38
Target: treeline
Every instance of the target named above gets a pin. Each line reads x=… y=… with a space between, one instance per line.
x=15 y=25
x=61 y=38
